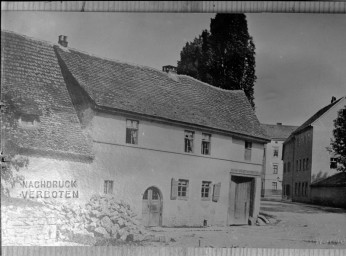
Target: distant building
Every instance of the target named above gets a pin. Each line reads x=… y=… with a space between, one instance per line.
x=306 y=158
x=273 y=164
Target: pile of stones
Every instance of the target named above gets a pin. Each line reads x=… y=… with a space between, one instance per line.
x=102 y=216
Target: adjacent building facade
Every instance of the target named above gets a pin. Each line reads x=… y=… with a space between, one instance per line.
x=273 y=164
x=179 y=151
x=305 y=153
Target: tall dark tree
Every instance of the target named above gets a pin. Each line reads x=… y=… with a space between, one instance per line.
x=338 y=143
x=224 y=56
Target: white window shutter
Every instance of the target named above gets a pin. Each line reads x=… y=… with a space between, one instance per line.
x=174 y=189
x=216 y=192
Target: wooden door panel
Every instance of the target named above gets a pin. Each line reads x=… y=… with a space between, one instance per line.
x=242 y=199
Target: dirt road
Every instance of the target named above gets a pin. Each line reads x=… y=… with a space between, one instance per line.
x=294 y=225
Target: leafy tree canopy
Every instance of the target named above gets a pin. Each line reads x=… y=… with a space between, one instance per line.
x=223 y=57
x=338 y=143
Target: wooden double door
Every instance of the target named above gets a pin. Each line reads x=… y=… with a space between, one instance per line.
x=241 y=200
x=152 y=207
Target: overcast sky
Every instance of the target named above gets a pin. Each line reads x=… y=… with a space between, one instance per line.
x=300 y=58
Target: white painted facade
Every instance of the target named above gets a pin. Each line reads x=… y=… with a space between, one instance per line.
x=157 y=158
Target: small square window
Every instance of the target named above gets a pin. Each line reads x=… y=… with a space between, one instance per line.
x=131 y=132
x=205 y=192
x=275 y=168
x=189 y=141
x=183 y=186
x=108 y=187
x=206 y=144
x=333 y=163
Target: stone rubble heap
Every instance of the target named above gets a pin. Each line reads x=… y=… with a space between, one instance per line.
x=103 y=216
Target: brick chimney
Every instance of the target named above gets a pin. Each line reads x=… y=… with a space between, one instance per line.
x=63 y=40
x=169 y=69
x=333 y=99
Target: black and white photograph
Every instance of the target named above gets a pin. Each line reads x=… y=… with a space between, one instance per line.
x=182 y=129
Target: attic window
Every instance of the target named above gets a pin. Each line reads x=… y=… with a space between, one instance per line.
x=28 y=121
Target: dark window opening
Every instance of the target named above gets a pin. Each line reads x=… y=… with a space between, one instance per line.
x=108 y=187
x=131 y=132
x=189 y=141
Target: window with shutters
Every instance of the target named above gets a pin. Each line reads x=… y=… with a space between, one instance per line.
x=189 y=141
x=205 y=192
x=206 y=144
x=216 y=192
x=248 y=148
x=131 y=132
x=108 y=187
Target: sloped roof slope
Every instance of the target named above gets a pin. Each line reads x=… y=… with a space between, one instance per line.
x=275 y=131
x=33 y=82
x=316 y=116
x=147 y=91
x=336 y=180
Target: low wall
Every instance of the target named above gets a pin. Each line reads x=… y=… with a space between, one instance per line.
x=331 y=196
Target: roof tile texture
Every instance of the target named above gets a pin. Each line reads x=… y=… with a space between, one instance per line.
x=32 y=77
x=144 y=90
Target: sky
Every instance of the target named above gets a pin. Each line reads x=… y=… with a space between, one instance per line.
x=300 y=58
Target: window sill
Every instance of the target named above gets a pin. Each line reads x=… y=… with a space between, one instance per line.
x=182 y=198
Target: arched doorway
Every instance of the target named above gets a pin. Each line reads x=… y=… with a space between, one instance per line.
x=152 y=207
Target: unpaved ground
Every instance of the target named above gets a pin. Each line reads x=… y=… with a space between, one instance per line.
x=294 y=225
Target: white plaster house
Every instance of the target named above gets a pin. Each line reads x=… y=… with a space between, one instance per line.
x=273 y=164
x=179 y=151
x=307 y=160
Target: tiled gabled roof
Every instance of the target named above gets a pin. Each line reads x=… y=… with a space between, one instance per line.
x=316 y=116
x=33 y=82
x=147 y=91
x=275 y=131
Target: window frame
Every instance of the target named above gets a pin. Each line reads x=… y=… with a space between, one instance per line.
x=275 y=168
x=180 y=189
x=130 y=130
x=274 y=186
x=206 y=142
x=206 y=195
x=190 y=140
x=276 y=149
x=333 y=162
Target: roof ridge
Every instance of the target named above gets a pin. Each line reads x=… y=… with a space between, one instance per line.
x=115 y=60
x=27 y=37
x=212 y=86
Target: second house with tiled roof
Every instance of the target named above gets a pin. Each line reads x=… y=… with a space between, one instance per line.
x=179 y=151
x=307 y=159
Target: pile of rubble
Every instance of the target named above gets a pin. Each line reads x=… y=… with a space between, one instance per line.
x=103 y=216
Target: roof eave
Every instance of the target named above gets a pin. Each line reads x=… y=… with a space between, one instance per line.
x=111 y=110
